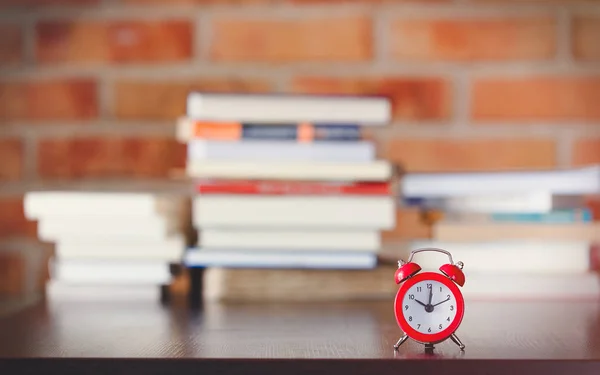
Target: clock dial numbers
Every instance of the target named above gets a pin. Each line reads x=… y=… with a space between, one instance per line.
x=429 y=306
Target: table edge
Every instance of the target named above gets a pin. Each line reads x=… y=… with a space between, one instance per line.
x=184 y=366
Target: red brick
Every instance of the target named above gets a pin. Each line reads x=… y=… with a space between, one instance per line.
x=12 y=273
x=12 y=219
x=410 y=225
x=62 y=99
x=430 y=155
x=11 y=159
x=346 y=38
x=473 y=39
x=11 y=44
x=536 y=99
x=98 y=157
x=412 y=98
x=114 y=41
x=593 y=204
x=586 y=38
x=586 y=151
x=167 y=100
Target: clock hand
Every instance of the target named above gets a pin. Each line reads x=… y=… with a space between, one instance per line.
x=439 y=303
x=420 y=303
x=430 y=295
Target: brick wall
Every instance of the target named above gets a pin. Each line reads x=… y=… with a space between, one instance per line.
x=89 y=89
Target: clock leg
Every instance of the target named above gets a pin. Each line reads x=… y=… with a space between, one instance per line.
x=457 y=342
x=429 y=348
x=401 y=341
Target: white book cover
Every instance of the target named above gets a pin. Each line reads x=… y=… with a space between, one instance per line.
x=289 y=108
x=60 y=292
x=579 y=181
x=256 y=150
x=290 y=240
x=110 y=272
x=169 y=250
x=233 y=258
x=118 y=227
x=318 y=212
x=378 y=170
x=38 y=204
x=507 y=256
x=525 y=202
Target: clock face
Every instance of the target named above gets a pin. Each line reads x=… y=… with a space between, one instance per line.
x=429 y=307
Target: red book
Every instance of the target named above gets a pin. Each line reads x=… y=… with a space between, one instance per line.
x=283 y=187
x=595 y=257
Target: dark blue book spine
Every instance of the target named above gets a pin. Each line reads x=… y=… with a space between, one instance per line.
x=321 y=132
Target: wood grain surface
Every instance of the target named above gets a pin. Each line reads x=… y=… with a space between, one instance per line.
x=533 y=336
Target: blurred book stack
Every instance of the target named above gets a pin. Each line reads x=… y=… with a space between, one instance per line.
x=110 y=238
x=287 y=192
x=520 y=234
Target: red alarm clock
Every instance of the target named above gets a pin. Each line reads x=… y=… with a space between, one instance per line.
x=429 y=306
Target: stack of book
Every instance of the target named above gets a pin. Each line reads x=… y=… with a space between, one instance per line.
x=110 y=238
x=520 y=234
x=286 y=188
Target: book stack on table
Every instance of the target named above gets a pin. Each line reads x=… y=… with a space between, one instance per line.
x=286 y=192
x=520 y=234
x=106 y=238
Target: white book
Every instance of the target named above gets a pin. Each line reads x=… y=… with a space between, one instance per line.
x=306 y=212
x=289 y=108
x=580 y=181
x=256 y=150
x=38 y=204
x=233 y=258
x=169 y=250
x=290 y=240
x=60 y=292
x=110 y=272
x=525 y=202
x=100 y=228
x=507 y=256
x=378 y=170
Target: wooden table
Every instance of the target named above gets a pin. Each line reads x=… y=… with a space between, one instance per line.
x=141 y=336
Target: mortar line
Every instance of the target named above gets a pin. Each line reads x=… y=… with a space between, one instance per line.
x=380 y=37
x=202 y=35
x=197 y=70
x=30 y=155
x=564 y=147
x=106 y=97
x=513 y=131
x=28 y=45
x=108 y=10
x=100 y=128
x=461 y=96
x=563 y=38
